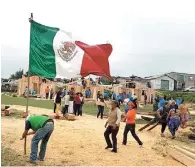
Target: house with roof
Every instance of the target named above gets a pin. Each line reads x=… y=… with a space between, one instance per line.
x=162 y=82
x=184 y=80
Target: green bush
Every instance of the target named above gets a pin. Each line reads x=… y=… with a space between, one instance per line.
x=189 y=97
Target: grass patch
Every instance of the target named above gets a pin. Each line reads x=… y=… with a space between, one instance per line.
x=10 y=158
x=48 y=104
x=91 y=109
x=88 y=108
x=146 y=108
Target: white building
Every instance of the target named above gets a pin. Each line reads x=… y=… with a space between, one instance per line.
x=161 y=82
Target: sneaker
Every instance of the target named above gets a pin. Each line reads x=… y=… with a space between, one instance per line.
x=124 y=144
x=107 y=147
x=140 y=146
x=162 y=135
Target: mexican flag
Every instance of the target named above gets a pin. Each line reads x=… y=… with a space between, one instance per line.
x=53 y=54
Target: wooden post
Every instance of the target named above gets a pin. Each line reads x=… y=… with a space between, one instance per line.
x=27 y=98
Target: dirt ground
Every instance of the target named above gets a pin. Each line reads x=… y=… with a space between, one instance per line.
x=81 y=142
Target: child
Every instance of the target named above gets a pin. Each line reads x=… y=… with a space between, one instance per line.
x=173 y=122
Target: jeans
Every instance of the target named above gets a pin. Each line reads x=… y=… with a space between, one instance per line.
x=43 y=134
x=114 y=132
x=131 y=128
x=100 y=111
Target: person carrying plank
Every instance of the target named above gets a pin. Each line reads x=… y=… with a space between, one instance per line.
x=42 y=127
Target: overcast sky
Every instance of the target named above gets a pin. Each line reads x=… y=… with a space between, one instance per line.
x=149 y=37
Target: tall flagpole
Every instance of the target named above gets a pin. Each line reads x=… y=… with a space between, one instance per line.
x=27 y=98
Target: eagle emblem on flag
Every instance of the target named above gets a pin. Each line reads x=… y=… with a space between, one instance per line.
x=67 y=50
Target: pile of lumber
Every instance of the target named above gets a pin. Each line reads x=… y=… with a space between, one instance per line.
x=182 y=154
x=70 y=117
x=5 y=110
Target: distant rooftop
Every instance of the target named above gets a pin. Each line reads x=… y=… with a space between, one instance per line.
x=157 y=76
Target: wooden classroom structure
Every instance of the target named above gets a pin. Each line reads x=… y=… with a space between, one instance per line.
x=36 y=83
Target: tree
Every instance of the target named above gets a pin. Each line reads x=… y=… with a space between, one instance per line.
x=18 y=74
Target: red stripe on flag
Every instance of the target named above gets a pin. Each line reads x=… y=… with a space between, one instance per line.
x=95 y=60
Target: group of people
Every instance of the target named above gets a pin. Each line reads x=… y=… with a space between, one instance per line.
x=168 y=113
x=73 y=102
x=113 y=123
x=172 y=114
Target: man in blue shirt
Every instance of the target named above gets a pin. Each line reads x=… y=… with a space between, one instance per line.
x=162 y=102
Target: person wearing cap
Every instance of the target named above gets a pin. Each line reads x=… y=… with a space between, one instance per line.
x=113 y=122
x=162 y=115
x=42 y=127
x=130 y=125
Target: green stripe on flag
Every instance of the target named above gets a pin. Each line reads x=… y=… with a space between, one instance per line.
x=42 y=56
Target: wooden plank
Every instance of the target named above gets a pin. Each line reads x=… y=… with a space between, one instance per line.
x=180 y=157
x=189 y=149
x=186 y=152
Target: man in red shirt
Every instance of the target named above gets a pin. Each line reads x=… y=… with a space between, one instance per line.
x=130 y=125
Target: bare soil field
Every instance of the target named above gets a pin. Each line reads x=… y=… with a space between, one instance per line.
x=81 y=142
